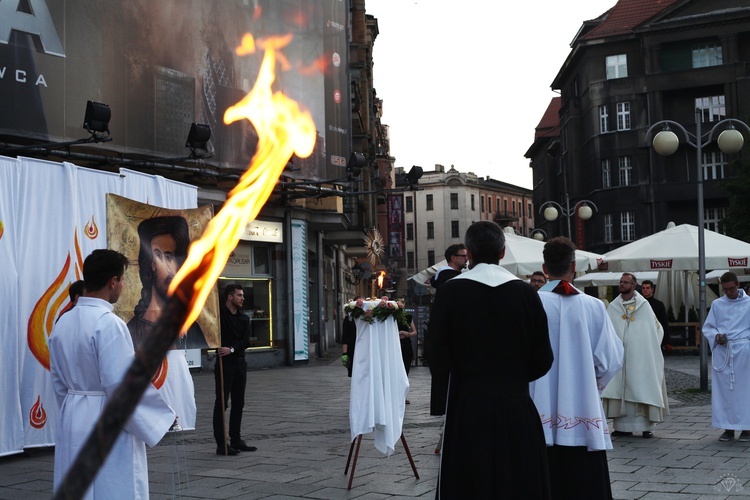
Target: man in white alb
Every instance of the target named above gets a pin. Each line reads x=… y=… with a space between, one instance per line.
x=727 y=331
x=636 y=398
x=587 y=355
x=90 y=351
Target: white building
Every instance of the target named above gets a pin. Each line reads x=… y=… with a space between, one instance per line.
x=438 y=215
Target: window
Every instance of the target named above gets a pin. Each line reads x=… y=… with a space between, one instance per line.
x=430 y=258
x=626 y=170
x=472 y=203
x=712 y=219
x=428 y=202
x=410 y=260
x=409 y=204
x=505 y=205
x=627 y=226
x=454 y=201
x=606 y=174
x=513 y=207
x=603 y=119
x=481 y=203
x=713 y=109
x=617 y=66
x=608 y=228
x=623 y=116
x=430 y=230
x=713 y=165
x=489 y=204
x=454 y=229
x=410 y=231
x=707 y=54
x=530 y=211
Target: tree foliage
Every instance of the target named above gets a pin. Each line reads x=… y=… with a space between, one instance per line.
x=737 y=221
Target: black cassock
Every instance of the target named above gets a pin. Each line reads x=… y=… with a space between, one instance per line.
x=493 y=341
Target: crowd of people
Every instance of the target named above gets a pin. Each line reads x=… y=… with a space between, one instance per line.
x=539 y=367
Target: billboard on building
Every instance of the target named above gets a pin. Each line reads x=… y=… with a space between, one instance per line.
x=163 y=65
x=396 y=226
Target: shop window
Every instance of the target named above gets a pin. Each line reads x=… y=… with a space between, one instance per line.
x=257 y=306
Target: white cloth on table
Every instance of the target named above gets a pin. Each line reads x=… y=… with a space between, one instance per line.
x=90 y=351
x=379 y=384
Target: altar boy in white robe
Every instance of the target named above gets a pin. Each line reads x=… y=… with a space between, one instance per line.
x=727 y=331
x=90 y=351
x=588 y=354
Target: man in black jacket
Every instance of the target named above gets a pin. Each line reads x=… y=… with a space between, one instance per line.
x=647 y=290
x=235 y=338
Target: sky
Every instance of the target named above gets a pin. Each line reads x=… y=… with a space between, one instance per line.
x=466 y=83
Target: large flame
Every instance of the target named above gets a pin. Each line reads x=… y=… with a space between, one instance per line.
x=283 y=129
x=381 y=277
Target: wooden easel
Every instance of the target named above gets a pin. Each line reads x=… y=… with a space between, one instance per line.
x=356 y=454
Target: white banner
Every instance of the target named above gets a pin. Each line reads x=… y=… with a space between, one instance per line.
x=299 y=289
x=11 y=416
x=52 y=216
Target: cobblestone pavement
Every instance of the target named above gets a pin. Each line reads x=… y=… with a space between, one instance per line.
x=298 y=419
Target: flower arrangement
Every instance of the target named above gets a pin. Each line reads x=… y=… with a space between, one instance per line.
x=369 y=310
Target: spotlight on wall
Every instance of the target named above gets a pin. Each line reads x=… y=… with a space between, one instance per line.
x=198 y=138
x=96 y=118
x=357 y=161
x=413 y=177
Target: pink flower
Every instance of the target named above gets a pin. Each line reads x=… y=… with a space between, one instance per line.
x=391 y=305
x=368 y=313
x=384 y=298
x=360 y=303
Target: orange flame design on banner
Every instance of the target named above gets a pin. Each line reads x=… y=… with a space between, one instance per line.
x=91 y=230
x=2 y=229
x=37 y=414
x=48 y=308
x=161 y=374
x=381 y=278
x=283 y=130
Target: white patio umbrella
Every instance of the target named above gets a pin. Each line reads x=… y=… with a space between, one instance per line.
x=612 y=279
x=523 y=256
x=676 y=249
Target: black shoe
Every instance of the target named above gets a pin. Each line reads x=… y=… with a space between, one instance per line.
x=242 y=446
x=230 y=451
x=621 y=433
x=648 y=434
x=727 y=436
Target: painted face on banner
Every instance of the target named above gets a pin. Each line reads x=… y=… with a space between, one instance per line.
x=165 y=262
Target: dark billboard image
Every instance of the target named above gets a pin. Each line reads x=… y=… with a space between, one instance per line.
x=162 y=65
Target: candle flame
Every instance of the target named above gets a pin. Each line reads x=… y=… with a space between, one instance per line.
x=381 y=277
x=283 y=129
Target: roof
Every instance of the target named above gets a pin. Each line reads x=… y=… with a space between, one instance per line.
x=626 y=15
x=549 y=126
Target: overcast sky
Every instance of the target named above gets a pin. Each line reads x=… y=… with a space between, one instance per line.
x=465 y=83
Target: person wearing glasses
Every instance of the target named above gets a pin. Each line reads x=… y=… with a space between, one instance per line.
x=457 y=259
x=727 y=331
x=636 y=398
x=538 y=280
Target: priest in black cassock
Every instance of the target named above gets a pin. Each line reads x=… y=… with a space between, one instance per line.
x=489 y=332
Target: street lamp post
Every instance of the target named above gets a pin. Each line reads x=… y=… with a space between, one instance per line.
x=665 y=143
x=551 y=211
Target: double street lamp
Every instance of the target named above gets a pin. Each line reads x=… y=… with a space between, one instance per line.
x=552 y=210
x=665 y=143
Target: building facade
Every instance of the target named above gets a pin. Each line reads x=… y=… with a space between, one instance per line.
x=639 y=63
x=446 y=204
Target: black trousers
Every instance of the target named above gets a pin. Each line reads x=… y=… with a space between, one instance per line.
x=578 y=473
x=235 y=380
